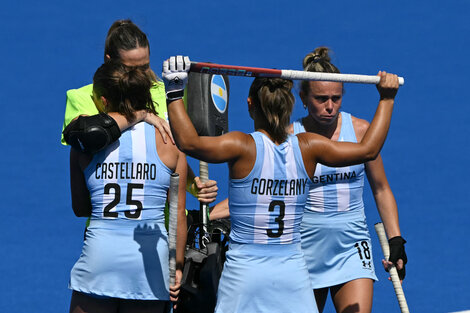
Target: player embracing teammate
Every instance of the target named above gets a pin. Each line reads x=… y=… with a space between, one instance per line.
x=272 y=177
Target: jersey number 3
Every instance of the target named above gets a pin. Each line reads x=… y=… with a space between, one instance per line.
x=117 y=198
x=282 y=208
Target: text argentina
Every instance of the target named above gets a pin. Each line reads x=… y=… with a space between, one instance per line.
x=333 y=177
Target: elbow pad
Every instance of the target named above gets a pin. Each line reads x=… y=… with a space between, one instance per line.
x=90 y=134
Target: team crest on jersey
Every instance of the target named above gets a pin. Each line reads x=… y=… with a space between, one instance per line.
x=219 y=93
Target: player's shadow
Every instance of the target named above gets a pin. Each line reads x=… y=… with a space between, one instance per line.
x=353 y=308
x=148 y=236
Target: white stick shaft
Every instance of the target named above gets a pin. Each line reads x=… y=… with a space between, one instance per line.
x=333 y=77
x=204 y=176
x=248 y=71
x=173 y=224
x=379 y=228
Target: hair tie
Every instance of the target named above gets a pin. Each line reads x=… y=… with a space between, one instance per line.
x=122 y=23
x=317 y=58
x=274 y=84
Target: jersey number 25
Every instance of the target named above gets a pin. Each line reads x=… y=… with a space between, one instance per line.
x=134 y=214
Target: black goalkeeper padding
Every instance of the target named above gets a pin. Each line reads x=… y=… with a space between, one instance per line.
x=201 y=274
x=91 y=134
x=202 y=266
x=207 y=103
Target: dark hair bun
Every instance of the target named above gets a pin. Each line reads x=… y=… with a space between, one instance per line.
x=275 y=83
x=320 y=54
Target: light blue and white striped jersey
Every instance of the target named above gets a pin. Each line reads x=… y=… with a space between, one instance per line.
x=266 y=207
x=336 y=189
x=127 y=180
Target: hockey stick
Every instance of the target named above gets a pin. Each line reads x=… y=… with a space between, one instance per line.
x=233 y=70
x=379 y=228
x=172 y=225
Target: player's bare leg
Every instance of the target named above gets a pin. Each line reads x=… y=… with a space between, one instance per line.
x=354 y=296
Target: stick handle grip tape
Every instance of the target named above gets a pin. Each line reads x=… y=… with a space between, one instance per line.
x=172 y=225
x=204 y=176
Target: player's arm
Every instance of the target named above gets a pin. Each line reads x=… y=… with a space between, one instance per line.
x=383 y=195
x=227 y=147
x=90 y=134
x=220 y=210
x=385 y=201
x=387 y=207
x=81 y=202
x=143 y=115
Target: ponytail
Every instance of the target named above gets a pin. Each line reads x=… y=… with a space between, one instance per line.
x=274 y=98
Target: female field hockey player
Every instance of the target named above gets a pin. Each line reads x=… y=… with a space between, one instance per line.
x=123 y=266
x=335 y=238
x=270 y=175
x=87 y=130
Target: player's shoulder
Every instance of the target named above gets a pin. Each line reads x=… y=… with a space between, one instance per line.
x=238 y=135
x=309 y=138
x=360 y=126
x=168 y=146
x=241 y=140
x=311 y=143
x=167 y=151
x=85 y=91
x=290 y=128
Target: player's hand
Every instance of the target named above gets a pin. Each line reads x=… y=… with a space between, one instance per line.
x=205 y=192
x=388 y=265
x=175 y=76
x=397 y=257
x=175 y=289
x=387 y=86
x=160 y=124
